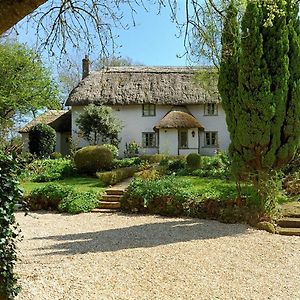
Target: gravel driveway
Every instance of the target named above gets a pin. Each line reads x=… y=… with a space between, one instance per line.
x=119 y=256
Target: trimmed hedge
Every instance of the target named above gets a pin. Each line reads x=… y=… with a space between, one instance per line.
x=90 y=159
x=42 y=140
x=79 y=202
x=47 y=197
x=63 y=198
x=117 y=175
x=193 y=161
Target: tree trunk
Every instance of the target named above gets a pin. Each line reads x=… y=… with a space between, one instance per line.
x=12 y=11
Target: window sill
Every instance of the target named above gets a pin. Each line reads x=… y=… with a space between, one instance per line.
x=149 y=116
x=210 y=115
x=211 y=147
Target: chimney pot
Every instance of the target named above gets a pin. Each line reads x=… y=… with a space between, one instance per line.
x=85 y=67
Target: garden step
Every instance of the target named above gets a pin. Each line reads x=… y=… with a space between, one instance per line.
x=288 y=231
x=111 y=198
x=289 y=222
x=109 y=205
x=115 y=192
x=103 y=210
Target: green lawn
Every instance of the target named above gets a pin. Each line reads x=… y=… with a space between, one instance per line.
x=83 y=184
x=214 y=188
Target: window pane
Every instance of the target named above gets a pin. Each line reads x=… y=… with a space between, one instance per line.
x=207 y=138
x=183 y=139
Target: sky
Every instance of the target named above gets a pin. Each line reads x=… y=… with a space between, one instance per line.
x=153 y=41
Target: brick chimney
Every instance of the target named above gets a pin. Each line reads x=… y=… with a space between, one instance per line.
x=85 y=67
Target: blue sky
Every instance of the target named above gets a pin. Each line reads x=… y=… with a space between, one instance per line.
x=153 y=41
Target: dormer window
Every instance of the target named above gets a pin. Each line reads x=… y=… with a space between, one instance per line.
x=210 y=109
x=149 y=110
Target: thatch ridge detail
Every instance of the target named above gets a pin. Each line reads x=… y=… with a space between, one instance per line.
x=138 y=85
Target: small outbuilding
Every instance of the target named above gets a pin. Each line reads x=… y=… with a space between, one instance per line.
x=60 y=121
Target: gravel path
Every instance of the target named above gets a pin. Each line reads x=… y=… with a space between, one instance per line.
x=118 y=256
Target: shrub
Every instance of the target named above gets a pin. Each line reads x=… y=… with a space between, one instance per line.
x=176 y=165
x=153 y=158
x=55 y=155
x=193 y=161
x=48 y=196
x=149 y=174
x=117 y=175
x=10 y=195
x=79 y=202
x=42 y=140
x=131 y=149
x=162 y=196
x=217 y=166
x=127 y=162
x=91 y=159
x=114 y=149
x=50 y=169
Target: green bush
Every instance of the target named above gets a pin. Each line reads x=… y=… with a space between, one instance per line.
x=55 y=155
x=176 y=165
x=79 y=202
x=48 y=196
x=127 y=162
x=46 y=170
x=117 y=175
x=217 y=166
x=10 y=195
x=131 y=149
x=91 y=159
x=42 y=140
x=114 y=149
x=162 y=196
x=193 y=161
x=153 y=158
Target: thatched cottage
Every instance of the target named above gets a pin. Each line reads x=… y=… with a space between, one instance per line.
x=163 y=109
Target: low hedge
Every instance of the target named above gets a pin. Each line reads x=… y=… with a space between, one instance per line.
x=63 y=198
x=47 y=197
x=117 y=175
x=79 y=202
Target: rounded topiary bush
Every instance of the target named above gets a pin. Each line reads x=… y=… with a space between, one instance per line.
x=114 y=149
x=91 y=159
x=42 y=140
x=193 y=161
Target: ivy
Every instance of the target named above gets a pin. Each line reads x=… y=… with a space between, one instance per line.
x=10 y=194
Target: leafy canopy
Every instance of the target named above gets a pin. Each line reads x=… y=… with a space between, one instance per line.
x=98 y=124
x=25 y=84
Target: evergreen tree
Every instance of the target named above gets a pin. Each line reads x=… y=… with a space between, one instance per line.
x=262 y=101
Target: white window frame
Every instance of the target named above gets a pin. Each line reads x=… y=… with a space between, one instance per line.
x=211 y=109
x=146 y=140
x=148 y=110
x=208 y=139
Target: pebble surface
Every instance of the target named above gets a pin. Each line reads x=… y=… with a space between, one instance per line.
x=118 y=256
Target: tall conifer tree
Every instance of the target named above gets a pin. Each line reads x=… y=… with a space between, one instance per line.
x=262 y=102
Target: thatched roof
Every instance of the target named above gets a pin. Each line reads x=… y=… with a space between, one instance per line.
x=178 y=117
x=138 y=85
x=60 y=120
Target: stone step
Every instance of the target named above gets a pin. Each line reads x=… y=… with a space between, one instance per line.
x=109 y=205
x=288 y=231
x=292 y=215
x=103 y=210
x=111 y=198
x=114 y=191
x=289 y=222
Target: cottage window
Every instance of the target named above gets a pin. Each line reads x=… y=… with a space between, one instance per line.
x=148 y=110
x=148 y=139
x=211 y=139
x=183 y=139
x=211 y=109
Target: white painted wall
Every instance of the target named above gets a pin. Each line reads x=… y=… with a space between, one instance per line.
x=211 y=123
x=25 y=139
x=134 y=124
x=168 y=141
x=133 y=121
